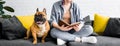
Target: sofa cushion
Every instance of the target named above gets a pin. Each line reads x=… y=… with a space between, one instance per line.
x=26 y=20
x=22 y=42
x=0 y=29
x=113 y=28
x=12 y=28
x=100 y=23
x=102 y=41
x=49 y=43
x=87 y=20
x=17 y=42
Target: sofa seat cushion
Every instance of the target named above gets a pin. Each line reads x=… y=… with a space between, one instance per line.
x=22 y=42
x=102 y=41
x=49 y=43
x=17 y=42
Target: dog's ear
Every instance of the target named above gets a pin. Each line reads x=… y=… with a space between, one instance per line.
x=44 y=10
x=37 y=10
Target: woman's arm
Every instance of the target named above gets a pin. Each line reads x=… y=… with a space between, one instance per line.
x=79 y=19
x=54 y=22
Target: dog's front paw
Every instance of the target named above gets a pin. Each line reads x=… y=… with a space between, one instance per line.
x=43 y=41
x=25 y=38
x=34 y=42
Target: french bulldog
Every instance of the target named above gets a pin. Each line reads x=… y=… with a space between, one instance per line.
x=40 y=26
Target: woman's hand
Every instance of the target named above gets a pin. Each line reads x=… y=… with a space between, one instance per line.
x=77 y=27
x=67 y=28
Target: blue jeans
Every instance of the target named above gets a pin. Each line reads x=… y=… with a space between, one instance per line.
x=86 y=30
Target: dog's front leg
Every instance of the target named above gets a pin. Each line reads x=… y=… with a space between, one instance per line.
x=44 y=36
x=27 y=34
x=34 y=37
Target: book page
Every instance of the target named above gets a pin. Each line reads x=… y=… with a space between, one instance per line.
x=62 y=22
x=73 y=24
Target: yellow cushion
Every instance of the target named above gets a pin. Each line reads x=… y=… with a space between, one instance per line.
x=26 y=20
x=100 y=23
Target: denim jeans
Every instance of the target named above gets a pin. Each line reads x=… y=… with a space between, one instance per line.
x=85 y=31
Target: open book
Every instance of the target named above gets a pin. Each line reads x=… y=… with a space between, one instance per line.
x=62 y=22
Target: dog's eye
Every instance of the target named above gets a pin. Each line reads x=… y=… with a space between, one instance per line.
x=35 y=14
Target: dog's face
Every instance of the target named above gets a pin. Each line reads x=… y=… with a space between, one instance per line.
x=40 y=17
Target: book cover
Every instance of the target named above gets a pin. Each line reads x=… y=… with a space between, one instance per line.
x=62 y=22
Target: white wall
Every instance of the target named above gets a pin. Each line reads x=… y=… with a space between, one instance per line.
x=88 y=7
x=104 y=7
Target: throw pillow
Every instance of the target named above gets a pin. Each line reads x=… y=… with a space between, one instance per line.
x=12 y=28
x=87 y=20
x=113 y=28
x=26 y=20
x=100 y=23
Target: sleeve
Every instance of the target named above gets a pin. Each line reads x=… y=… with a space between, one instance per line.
x=52 y=17
x=79 y=18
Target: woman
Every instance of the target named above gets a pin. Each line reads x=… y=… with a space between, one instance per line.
x=69 y=11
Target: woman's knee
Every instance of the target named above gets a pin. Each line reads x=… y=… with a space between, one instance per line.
x=89 y=29
x=55 y=33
